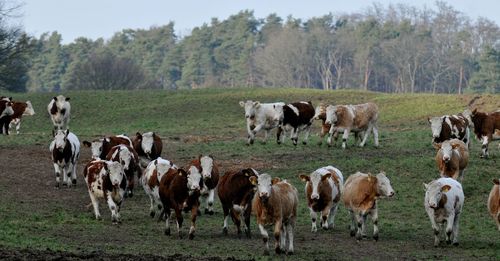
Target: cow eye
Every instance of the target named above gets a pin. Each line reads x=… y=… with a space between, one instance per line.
x=63 y=111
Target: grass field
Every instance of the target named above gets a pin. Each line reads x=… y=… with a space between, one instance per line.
x=36 y=216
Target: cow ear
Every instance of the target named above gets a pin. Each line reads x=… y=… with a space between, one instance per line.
x=86 y=143
x=138 y=135
x=156 y=162
x=445 y=188
x=496 y=181
x=55 y=98
x=429 y=119
x=256 y=104
x=182 y=172
x=455 y=145
x=253 y=180
x=436 y=145
x=304 y=178
x=211 y=156
x=106 y=166
x=242 y=104
x=474 y=111
x=425 y=186
x=275 y=180
x=67 y=132
x=326 y=176
x=67 y=99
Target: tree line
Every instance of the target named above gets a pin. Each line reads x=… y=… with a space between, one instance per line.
x=396 y=48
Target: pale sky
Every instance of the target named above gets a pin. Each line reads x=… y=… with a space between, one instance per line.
x=102 y=18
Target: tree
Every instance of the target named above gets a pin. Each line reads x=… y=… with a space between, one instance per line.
x=488 y=77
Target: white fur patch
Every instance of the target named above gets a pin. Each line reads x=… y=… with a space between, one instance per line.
x=294 y=109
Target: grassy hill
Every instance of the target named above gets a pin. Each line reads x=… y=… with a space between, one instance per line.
x=212 y=122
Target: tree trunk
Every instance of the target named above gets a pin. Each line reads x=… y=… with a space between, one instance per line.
x=460 y=80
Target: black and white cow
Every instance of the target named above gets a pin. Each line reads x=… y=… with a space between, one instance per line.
x=65 y=149
x=6 y=112
x=59 y=110
x=148 y=146
x=449 y=127
x=296 y=116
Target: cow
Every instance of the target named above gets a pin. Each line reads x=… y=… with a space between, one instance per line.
x=181 y=190
x=210 y=174
x=444 y=199
x=65 y=149
x=320 y=114
x=101 y=147
x=494 y=202
x=6 y=112
x=235 y=192
x=106 y=180
x=360 y=196
x=261 y=116
x=449 y=127
x=127 y=156
x=148 y=146
x=20 y=109
x=452 y=158
x=323 y=189
x=356 y=118
x=296 y=116
x=151 y=178
x=59 y=110
x=275 y=203
x=486 y=128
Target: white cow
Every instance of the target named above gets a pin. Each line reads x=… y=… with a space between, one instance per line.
x=444 y=199
x=261 y=116
x=65 y=149
x=151 y=178
x=59 y=110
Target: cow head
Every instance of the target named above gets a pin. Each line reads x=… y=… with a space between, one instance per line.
x=496 y=181
x=162 y=166
x=436 y=125
x=447 y=148
x=60 y=139
x=384 y=185
x=320 y=111
x=207 y=164
x=434 y=192
x=124 y=155
x=147 y=141
x=5 y=98
x=193 y=179
x=314 y=180
x=95 y=147
x=331 y=114
x=250 y=108
x=115 y=172
x=8 y=109
x=29 y=109
x=264 y=184
x=468 y=115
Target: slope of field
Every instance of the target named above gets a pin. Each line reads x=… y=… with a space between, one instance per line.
x=36 y=216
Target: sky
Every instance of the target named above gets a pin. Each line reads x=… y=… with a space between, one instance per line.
x=102 y=18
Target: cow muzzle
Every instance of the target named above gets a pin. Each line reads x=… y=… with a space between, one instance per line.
x=206 y=176
x=446 y=159
x=315 y=196
x=391 y=194
x=264 y=196
x=433 y=205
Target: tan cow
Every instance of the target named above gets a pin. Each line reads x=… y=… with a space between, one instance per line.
x=494 y=202
x=320 y=114
x=275 y=203
x=356 y=118
x=452 y=158
x=360 y=196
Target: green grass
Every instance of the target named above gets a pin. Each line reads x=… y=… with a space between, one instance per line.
x=211 y=122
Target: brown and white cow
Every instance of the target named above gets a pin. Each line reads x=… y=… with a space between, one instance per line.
x=320 y=114
x=127 y=156
x=153 y=174
x=235 y=193
x=6 y=112
x=323 y=190
x=148 y=146
x=106 y=180
x=65 y=149
x=180 y=190
x=360 y=196
x=275 y=203
x=449 y=127
x=210 y=174
x=486 y=128
x=452 y=158
x=261 y=116
x=101 y=147
x=494 y=202
x=444 y=199
x=356 y=118
x=296 y=116
x=20 y=109
x=59 y=110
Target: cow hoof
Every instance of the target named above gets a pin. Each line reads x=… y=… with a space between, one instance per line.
x=191 y=236
x=290 y=252
x=198 y=212
x=131 y=194
x=224 y=231
x=248 y=234
x=359 y=237
x=325 y=228
x=73 y=181
x=167 y=232
x=57 y=185
x=455 y=243
x=210 y=212
x=448 y=242
x=353 y=233
x=152 y=214
x=266 y=252
x=375 y=237
x=304 y=143
x=364 y=236
x=277 y=250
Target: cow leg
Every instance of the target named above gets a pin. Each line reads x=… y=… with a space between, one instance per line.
x=265 y=238
x=113 y=208
x=365 y=136
x=330 y=134
x=152 y=211
x=179 y=218
x=194 y=212
x=236 y=220
x=130 y=186
x=278 y=224
x=290 y=237
x=166 y=211
x=449 y=227
x=225 y=210
x=375 y=134
x=333 y=212
x=344 y=138
x=361 y=218
x=435 y=227
x=484 y=147
x=95 y=204
x=324 y=217
x=307 y=131
x=247 y=214
x=254 y=132
x=295 y=136
x=279 y=133
x=73 y=173
x=210 y=202
x=266 y=136
x=58 y=175
x=283 y=236
x=374 y=214
x=314 y=216
x=497 y=220
x=352 y=227
x=455 y=229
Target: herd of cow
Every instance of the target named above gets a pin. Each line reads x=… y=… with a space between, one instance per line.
x=116 y=160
